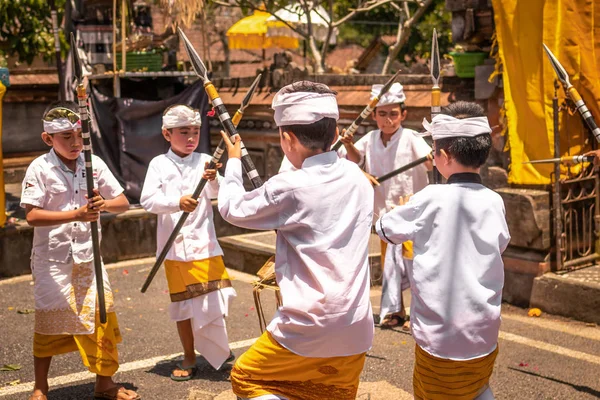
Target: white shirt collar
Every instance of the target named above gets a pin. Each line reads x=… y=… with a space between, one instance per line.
x=395 y=137
x=328 y=157
x=180 y=160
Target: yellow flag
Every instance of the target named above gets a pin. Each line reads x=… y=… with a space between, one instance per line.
x=2 y=194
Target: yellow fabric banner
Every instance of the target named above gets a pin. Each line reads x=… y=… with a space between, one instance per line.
x=571 y=30
x=2 y=193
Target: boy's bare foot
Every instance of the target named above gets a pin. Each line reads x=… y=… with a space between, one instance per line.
x=107 y=389
x=38 y=395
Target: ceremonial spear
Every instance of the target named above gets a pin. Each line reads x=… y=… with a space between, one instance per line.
x=436 y=100
x=573 y=94
x=367 y=110
x=220 y=109
x=89 y=174
x=214 y=161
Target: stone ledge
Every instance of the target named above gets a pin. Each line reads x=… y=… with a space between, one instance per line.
x=528 y=217
x=560 y=295
x=125 y=236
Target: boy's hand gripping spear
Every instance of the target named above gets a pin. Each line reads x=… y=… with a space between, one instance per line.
x=215 y=160
x=366 y=111
x=89 y=174
x=570 y=91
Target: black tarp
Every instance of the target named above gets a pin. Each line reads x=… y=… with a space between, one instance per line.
x=126 y=133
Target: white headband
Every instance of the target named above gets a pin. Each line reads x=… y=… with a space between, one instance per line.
x=60 y=125
x=179 y=116
x=304 y=108
x=444 y=126
x=393 y=96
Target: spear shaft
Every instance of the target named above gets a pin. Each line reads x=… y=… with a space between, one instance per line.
x=568 y=160
x=402 y=169
x=366 y=111
x=89 y=175
x=212 y=165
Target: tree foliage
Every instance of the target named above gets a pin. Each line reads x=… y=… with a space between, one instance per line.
x=26 y=29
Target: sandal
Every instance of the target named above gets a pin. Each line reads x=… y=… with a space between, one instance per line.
x=113 y=394
x=230 y=358
x=192 y=371
x=391 y=321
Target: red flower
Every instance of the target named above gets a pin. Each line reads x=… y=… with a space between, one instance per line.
x=211 y=113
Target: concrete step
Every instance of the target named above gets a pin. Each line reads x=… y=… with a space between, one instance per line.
x=575 y=294
x=249 y=252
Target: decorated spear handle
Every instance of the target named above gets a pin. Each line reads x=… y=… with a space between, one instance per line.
x=231 y=130
x=403 y=168
x=89 y=176
x=212 y=165
x=584 y=111
x=367 y=110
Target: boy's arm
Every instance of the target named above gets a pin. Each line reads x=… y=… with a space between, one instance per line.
x=253 y=210
x=401 y=223
x=422 y=149
x=257 y=209
x=37 y=216
x=117 y=205
x=153 y=199
x=353 y=151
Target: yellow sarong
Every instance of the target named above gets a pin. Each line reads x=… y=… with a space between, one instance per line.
x=189 y=279
x=438 y=378
x=269 y=368
x=98 y=350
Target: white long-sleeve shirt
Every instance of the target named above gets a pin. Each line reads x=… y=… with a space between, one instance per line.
x=459 y=232
x=376 y=159
x=323 y=216
x=170 y=177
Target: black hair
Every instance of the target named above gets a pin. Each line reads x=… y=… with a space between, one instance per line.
x=467 y=151
x=69 y=105
x=318 y=135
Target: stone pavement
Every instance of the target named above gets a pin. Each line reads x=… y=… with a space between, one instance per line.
x=540 y=358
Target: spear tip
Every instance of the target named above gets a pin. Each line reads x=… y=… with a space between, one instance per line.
x=435 y=58
x=76 y=61
x=195 y=59
x=561 y=74
x=250 y=93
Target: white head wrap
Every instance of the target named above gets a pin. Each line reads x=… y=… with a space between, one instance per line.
x=444 y=126
x=304 y=108
x=394 y=96
x=61 y=125
x=179 y=116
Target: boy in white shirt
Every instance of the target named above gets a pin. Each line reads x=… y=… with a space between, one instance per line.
x=199 y=285
x=459 y=232
x=322 y=211
x=55 y=198
x=380 y=151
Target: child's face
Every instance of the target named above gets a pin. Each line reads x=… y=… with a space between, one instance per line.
x=184 y=140
x=67 y=145
x=389 y=118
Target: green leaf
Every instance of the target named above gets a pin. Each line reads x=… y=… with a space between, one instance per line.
x=10 y=367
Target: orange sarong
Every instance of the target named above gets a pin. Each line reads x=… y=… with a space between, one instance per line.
x=269 y=368
x=98 y=350
x=437 y=378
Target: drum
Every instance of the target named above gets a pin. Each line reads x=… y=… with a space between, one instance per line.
x=266 y=280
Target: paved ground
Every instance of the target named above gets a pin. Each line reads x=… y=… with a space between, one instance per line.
x=540 y=358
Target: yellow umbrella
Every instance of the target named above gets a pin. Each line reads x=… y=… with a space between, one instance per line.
x=250 y=33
